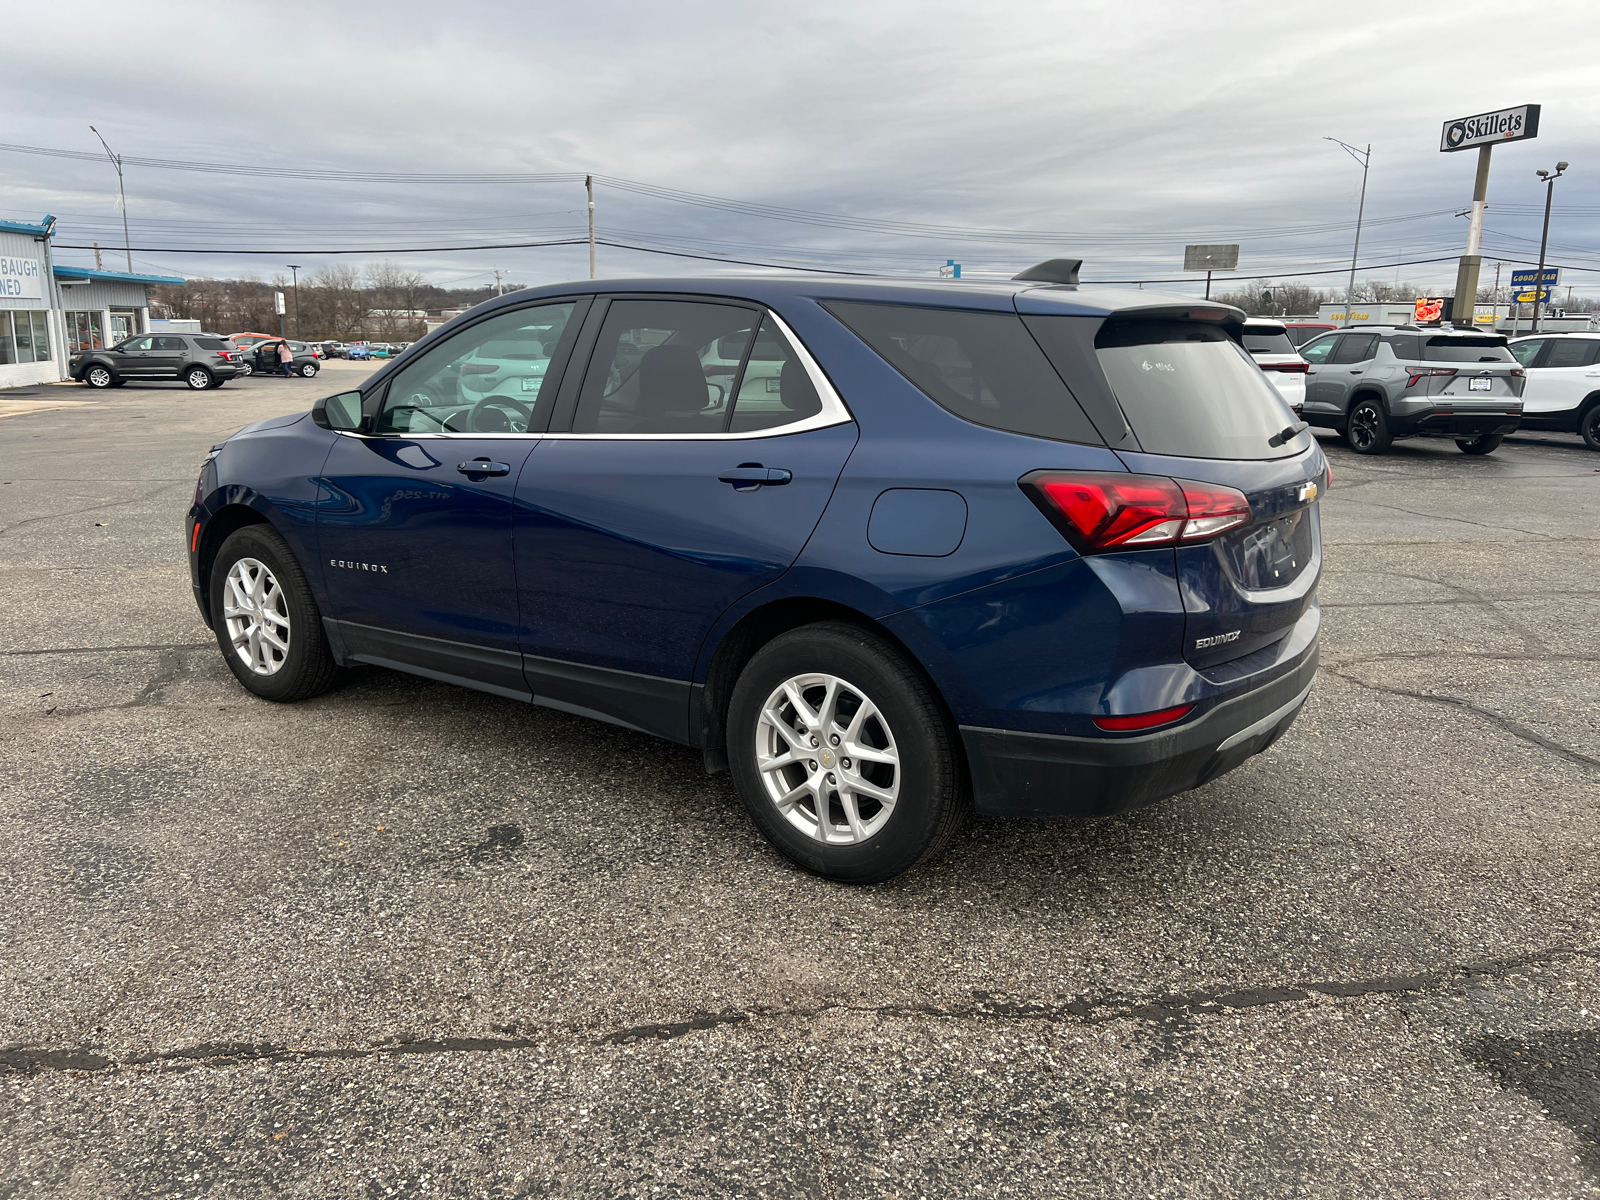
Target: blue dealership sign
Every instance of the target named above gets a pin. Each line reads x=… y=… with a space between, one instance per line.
x=1551 y=277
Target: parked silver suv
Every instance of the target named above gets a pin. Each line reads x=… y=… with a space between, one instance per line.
x=1377 y=383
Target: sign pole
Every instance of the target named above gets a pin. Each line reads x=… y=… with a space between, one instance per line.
x=1461 y=312
x=1208 y=285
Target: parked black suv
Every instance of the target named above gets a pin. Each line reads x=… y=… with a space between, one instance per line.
x=200 y=360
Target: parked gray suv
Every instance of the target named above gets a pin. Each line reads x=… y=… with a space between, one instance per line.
x=1377 y=383
x=201 y=360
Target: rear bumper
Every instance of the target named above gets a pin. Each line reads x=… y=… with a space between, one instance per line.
x=1043 y=775
x=1456 y=423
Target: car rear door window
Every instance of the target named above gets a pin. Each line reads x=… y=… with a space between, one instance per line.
x=664 y=366
x=492 y=377
x=1190 y=390
x=171 y=343
x=984 y=367
x=1355 y=348
x=774 y=389
x=1570 y=352
x=1466 y=349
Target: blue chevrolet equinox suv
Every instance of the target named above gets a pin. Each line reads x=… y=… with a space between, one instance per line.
x=888 y=551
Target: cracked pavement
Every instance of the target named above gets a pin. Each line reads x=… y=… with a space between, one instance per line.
x=408 y=940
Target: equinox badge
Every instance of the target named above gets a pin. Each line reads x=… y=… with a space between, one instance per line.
x=1218 y=639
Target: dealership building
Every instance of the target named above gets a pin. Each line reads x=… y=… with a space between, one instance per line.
x=50 y=312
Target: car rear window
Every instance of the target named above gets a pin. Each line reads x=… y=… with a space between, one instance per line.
x=1466 y=349
x=984 y=367
x=1188 y=389
x=1301 y=334
x=1267 y=341
x=212 y=344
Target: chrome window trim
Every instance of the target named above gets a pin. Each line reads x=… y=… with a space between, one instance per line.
x=834 y=412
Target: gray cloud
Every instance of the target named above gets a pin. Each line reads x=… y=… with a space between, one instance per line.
x=1126 y=130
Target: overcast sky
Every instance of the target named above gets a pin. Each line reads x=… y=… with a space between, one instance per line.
x=1111 y=132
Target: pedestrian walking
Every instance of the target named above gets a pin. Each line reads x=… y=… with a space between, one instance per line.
x=286 y=358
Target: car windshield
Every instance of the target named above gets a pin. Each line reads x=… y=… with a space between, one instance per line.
x=1466 y=349
x=1267 y=341
x=1188 y=389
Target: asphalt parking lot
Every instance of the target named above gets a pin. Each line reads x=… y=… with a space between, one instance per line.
x=407 y=940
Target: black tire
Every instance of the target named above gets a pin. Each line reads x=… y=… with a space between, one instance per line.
x=1487 y=444
x=247 y=370
x=1367 y=429
x=198 y=378
x=932 y=797
x=308 y=668
x=1589 y=427
x=99 y=377
x=308 y=370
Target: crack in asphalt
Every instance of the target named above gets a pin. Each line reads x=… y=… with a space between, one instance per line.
x=78 y=512
x=1515 y=728
x=18 y=1059
x=105 y=649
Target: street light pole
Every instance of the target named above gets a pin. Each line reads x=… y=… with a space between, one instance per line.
x=294 y=271
x=588 y=183
x=1544 y=240
x=122 y=198
x=1365 y=159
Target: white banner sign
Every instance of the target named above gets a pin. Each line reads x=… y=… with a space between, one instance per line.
x=1485 y=129
x=20 y=279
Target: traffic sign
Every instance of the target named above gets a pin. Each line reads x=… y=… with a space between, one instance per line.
x=1542 y=296
x=1551 y=277
x=1211 y=258
x=1485 y=129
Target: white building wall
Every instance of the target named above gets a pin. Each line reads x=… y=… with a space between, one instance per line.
x=23 y=246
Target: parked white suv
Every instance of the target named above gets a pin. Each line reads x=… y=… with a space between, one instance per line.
x=1274 y=351
x=1563 y=390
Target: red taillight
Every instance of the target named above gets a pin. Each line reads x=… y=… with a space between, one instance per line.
x=1148 y=720
x=194 y=542
x=1517 y=372
x=1416 y=373
x=1294 y=368
x=1113 y=512
x=479 y=368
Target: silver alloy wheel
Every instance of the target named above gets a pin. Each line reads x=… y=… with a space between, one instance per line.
x=828 y=759
x=257 y=614
x=199 y=379
x=246 y=370
x=309 y=370
x=99 y=377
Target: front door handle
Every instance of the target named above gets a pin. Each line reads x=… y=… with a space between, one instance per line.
x=1355 y=372
x=749 y=476
x=482 y=466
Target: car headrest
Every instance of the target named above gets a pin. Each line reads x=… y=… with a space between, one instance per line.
x=671 y=380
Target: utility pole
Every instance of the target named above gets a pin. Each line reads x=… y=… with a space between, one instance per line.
x=1365 y=159
x=1544 y=238
x=588 y=183
x=1495 y=305
x=97 y=256
x=294 y=269
x=122 y=198
x=498 y=290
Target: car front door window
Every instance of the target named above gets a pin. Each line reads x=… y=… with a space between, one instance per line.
x=491 y=378
x=1526 y=352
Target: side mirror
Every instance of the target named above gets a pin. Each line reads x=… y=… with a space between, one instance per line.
x=341 y=412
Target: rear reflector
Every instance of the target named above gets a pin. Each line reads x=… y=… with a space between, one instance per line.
x=194 y=542
x=1144 y=720
x=1098 y=512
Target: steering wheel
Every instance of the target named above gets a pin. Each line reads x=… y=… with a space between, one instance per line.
x=480 y=420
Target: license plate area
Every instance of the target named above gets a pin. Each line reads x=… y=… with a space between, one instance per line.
x=1480 y=384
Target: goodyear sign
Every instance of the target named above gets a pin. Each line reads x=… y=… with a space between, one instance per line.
x=20 y=279
x=1485 y=129
x=1542 y=296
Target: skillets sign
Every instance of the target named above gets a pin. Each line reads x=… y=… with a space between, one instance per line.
x=19 y=279
x=1485 y=129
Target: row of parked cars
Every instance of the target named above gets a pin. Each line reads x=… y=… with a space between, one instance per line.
x=361 y=350
x=1376 y=383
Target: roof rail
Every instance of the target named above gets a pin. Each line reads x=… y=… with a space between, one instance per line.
x=1054 y=270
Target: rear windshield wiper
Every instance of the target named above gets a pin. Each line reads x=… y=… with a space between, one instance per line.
x=1284 y=435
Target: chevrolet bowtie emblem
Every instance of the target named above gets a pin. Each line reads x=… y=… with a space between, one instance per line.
x=1308 y=492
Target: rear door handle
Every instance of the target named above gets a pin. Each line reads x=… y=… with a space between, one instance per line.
x=749 y=476
x=482 y=466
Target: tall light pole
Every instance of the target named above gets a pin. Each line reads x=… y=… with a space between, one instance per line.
x=294 y=271
x=1544 y=240
x=122 y=198
x=588 y=183
x=1364 y=157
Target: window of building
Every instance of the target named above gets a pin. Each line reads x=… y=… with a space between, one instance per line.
x=83 y=332
x=24 y=337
